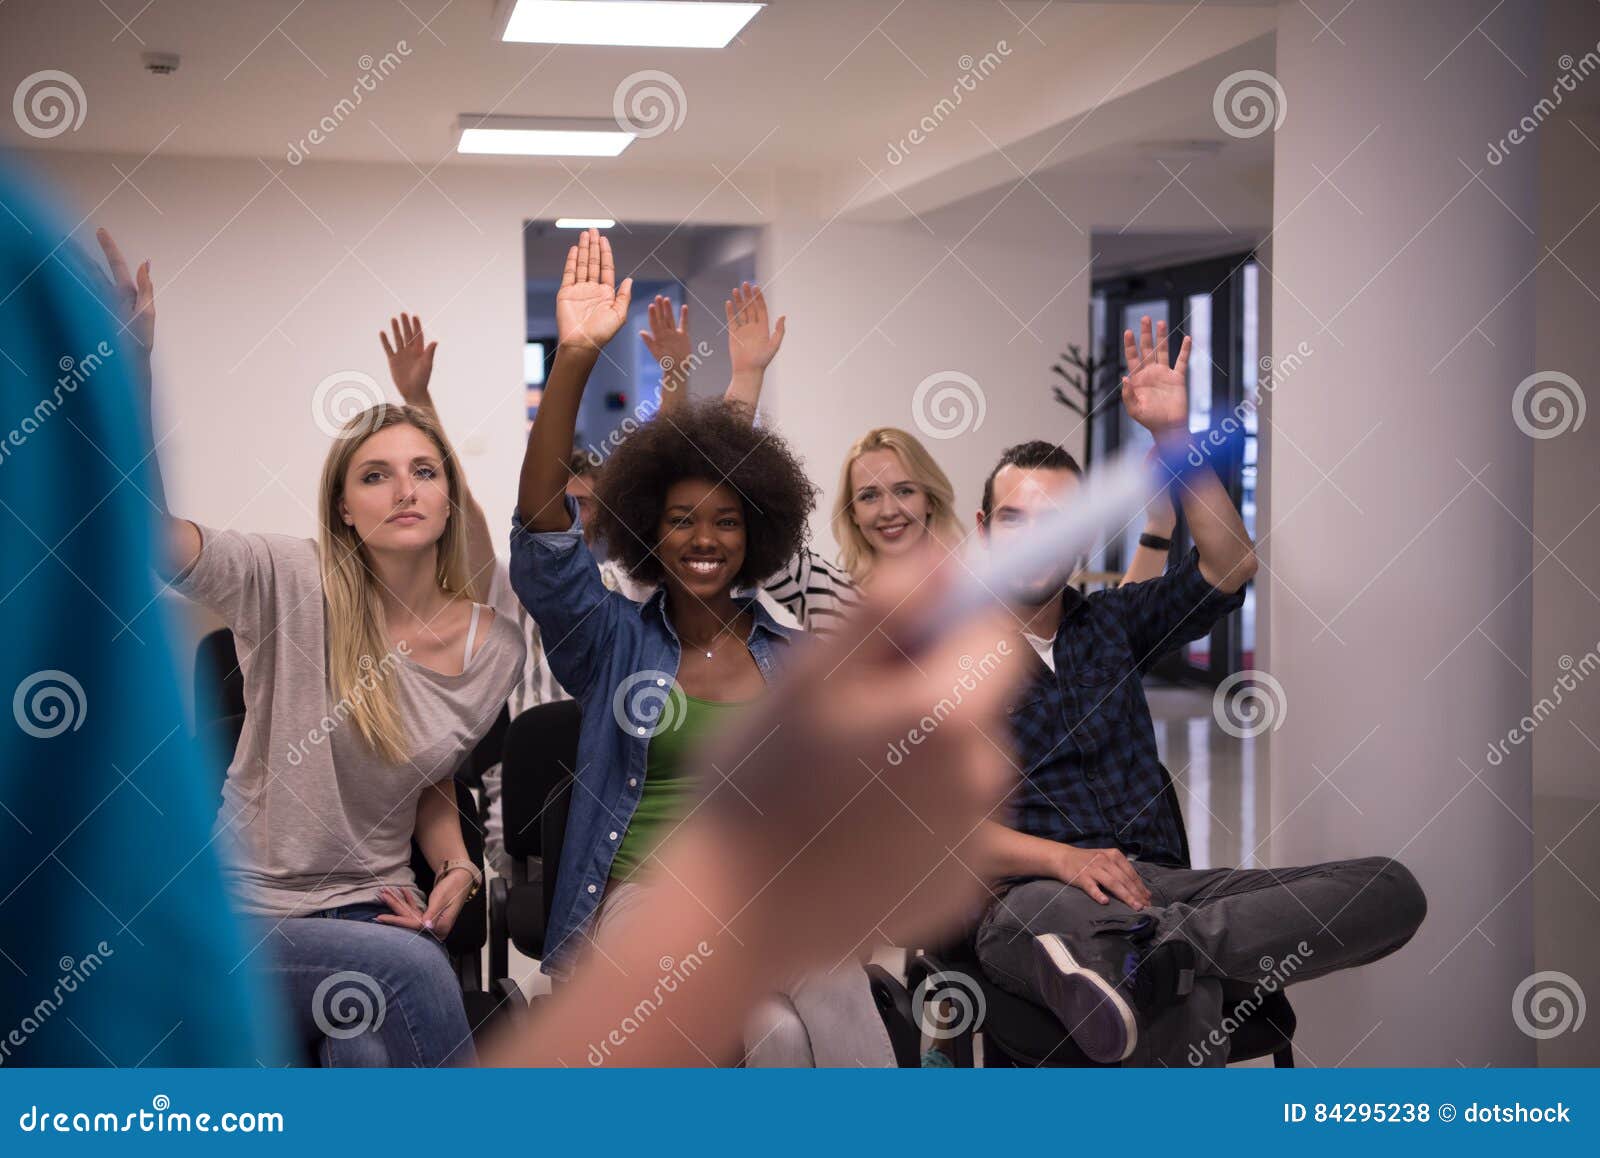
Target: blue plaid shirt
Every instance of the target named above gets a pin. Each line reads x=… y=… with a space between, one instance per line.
x=1085 y=743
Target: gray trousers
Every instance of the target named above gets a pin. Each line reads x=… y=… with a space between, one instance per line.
x=1265 y=927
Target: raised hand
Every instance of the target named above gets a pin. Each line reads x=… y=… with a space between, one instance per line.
x=752 y=343
x=135 y=297
x=590 y=306
x=667 y=342
x=1156 y=395
x=410 y=359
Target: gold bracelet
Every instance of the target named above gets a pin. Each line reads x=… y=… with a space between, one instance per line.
x=472 y=870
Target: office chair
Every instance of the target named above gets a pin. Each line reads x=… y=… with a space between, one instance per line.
x=220 y=686
x=536 y=772
x=218 y=682
x=1018 y=1032
x=536 y=769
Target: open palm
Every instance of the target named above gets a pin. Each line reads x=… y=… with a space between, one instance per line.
x=1154 y=394
x=410 y=358
x=134 y=294
x=752 y=344
x=590 y=308
x=667 y=341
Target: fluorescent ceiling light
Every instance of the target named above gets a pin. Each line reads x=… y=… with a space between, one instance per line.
x=541 y=136
x=643 y=23
x=584 y=223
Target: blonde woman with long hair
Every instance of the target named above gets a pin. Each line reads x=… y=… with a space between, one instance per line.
x=369 y=675
x=892 y=500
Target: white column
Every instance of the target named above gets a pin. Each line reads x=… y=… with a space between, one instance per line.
x=1400 y=487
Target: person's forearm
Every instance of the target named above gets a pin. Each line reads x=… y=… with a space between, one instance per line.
x=1227 y=556
x=541 y=503
x=1148 y=563
x=745 y=388
x=997 y=851
x=674 y=389
x=439 y=825
x=143 y=389
x=1151 y=562
x=179 y=540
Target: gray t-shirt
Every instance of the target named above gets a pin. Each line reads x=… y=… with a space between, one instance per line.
x=311 y=817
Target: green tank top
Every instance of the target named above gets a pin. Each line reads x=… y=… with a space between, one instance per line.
x=668 y=785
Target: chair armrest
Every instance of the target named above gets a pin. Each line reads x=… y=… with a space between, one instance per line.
x=894 y=1006
x=499 y=932
x=929 y=979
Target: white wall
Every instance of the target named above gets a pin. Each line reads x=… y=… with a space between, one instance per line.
x=1420 y=322
x=1566 y=607
x=876 y=309
x=266 y=285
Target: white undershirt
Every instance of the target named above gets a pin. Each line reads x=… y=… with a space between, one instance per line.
x=1045 y=647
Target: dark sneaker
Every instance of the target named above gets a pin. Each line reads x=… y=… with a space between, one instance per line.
x=1099 y=1018
x=1153 y=979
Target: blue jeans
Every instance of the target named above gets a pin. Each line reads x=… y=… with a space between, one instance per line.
x=368 y=994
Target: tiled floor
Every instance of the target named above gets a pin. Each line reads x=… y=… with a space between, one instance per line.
x=1221 y=781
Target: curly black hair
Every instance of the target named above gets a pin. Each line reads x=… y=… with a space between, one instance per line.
x=714 y=441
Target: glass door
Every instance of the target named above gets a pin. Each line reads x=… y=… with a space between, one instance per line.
x=1214 y=303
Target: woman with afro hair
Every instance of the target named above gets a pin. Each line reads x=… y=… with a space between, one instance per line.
x=700 y=504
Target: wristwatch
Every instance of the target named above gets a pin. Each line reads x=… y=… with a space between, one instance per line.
x=472 y=871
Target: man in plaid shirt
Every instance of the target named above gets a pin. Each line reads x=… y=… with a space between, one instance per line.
x=1098 y=915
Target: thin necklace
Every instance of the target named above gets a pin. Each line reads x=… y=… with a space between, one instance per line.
x=711 y=646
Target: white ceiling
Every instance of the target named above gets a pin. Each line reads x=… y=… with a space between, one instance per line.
x=819 y=86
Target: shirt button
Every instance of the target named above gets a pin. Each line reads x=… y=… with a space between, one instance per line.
x=591 y=888
x=661 y=683
x=633 y=782
x=613 y=836
x=641 y=731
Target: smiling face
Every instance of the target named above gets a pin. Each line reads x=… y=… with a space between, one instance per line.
x=395 y=494
x=887 y=504
x=1022 y=496
x=701 y=537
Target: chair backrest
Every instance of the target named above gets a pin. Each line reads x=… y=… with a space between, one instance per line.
x=536 y=771
x=487 y=752
x=218 y=682
x=541 y=752
x=1176 y=805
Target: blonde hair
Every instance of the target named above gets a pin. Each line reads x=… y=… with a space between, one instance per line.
x=357 y=633
x=856 y=555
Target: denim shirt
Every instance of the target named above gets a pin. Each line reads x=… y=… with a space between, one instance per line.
x=619 y=660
